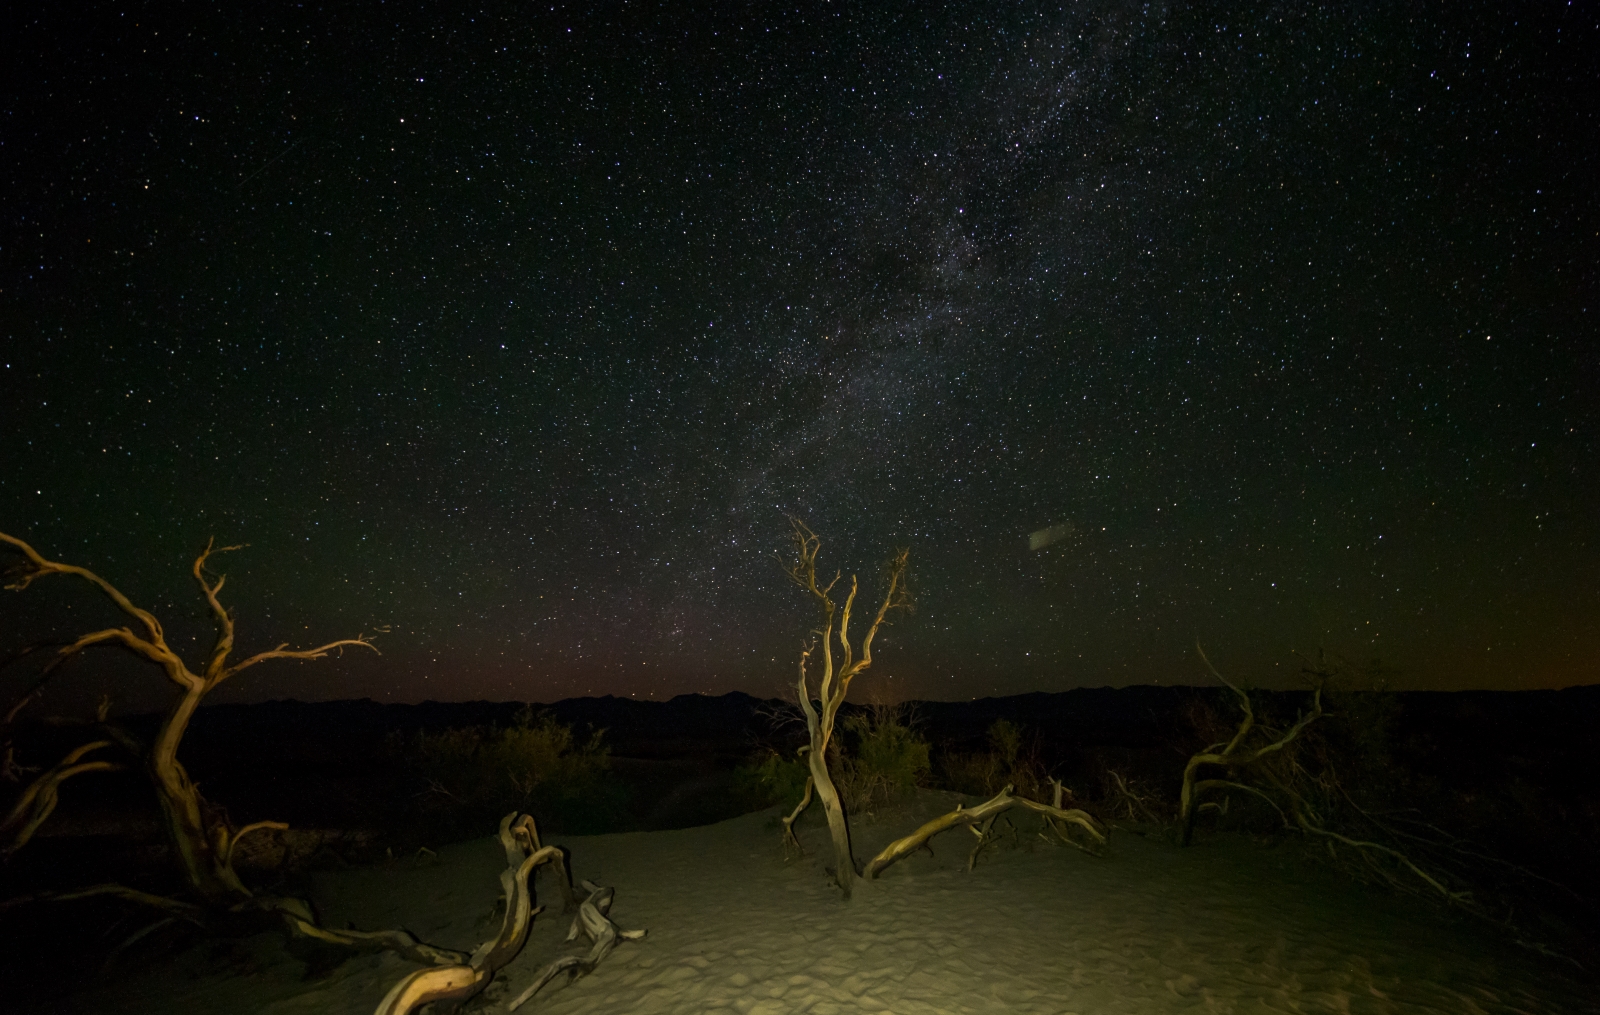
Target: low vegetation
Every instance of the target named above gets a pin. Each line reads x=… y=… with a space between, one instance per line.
x=1014 y=758
x=885 y=760
x=465 y=775
x=771 y=777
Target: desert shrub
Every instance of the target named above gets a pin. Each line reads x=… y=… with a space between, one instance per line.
x=469 y=776
x=1359 y=735
x=1012 y=759
x=885 y=760
x=770 y=778
x=967 y=772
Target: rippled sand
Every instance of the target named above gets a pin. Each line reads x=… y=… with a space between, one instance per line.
x=1226 y=926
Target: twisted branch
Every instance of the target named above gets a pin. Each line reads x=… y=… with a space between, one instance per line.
x=594 y=922
x=466 y=976
x=834 y=683
x=37 y=567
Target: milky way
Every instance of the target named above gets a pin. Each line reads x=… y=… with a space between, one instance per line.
x=519 y=332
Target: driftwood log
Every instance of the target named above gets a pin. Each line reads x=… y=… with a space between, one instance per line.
x=594 y=922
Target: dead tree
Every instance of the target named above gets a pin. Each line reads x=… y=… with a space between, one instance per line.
x=202 y=837
x=834 y=684
x=1253 y=772
x=1235 y=756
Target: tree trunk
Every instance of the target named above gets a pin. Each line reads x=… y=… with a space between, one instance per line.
x=838 y=828
x=208 y=872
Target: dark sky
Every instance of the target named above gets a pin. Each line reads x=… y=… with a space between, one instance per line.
x=518 y=329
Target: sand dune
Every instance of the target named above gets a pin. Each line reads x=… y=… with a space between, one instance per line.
x=1227 y=926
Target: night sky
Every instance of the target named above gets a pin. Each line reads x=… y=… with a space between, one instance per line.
x=518 y=329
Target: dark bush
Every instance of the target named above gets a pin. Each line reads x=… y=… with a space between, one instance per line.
x=467 y=777
x=1011 y=760
x=886 y=759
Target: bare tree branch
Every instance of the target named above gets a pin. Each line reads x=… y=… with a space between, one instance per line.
x=231 y=842
x=202 y=839
x=38 y=800
x=1233 y=757
x=37 y=567
x=594 y=922
x=283 y=652
x=985 y=812
x=224 y=621
x=789 y=838
x=204 y=842
x=469 y=974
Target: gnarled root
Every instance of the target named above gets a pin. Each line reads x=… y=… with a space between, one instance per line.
x=594 y=922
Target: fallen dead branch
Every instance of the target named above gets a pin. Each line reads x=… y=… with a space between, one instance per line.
x=594 y=922
x=1270 y=772
x=461 y=980
x=983 y=813
x=1235 y=755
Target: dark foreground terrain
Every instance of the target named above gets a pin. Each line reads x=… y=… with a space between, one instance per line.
x=1514 y=777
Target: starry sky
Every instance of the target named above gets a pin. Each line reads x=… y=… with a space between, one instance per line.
x=516 y=330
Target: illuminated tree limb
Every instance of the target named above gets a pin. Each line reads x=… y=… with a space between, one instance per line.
x=789 y=838
x=594 y=922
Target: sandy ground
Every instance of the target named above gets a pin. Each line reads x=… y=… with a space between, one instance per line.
x=1226 y=926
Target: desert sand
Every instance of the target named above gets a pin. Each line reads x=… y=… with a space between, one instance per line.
x=1229 y=925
